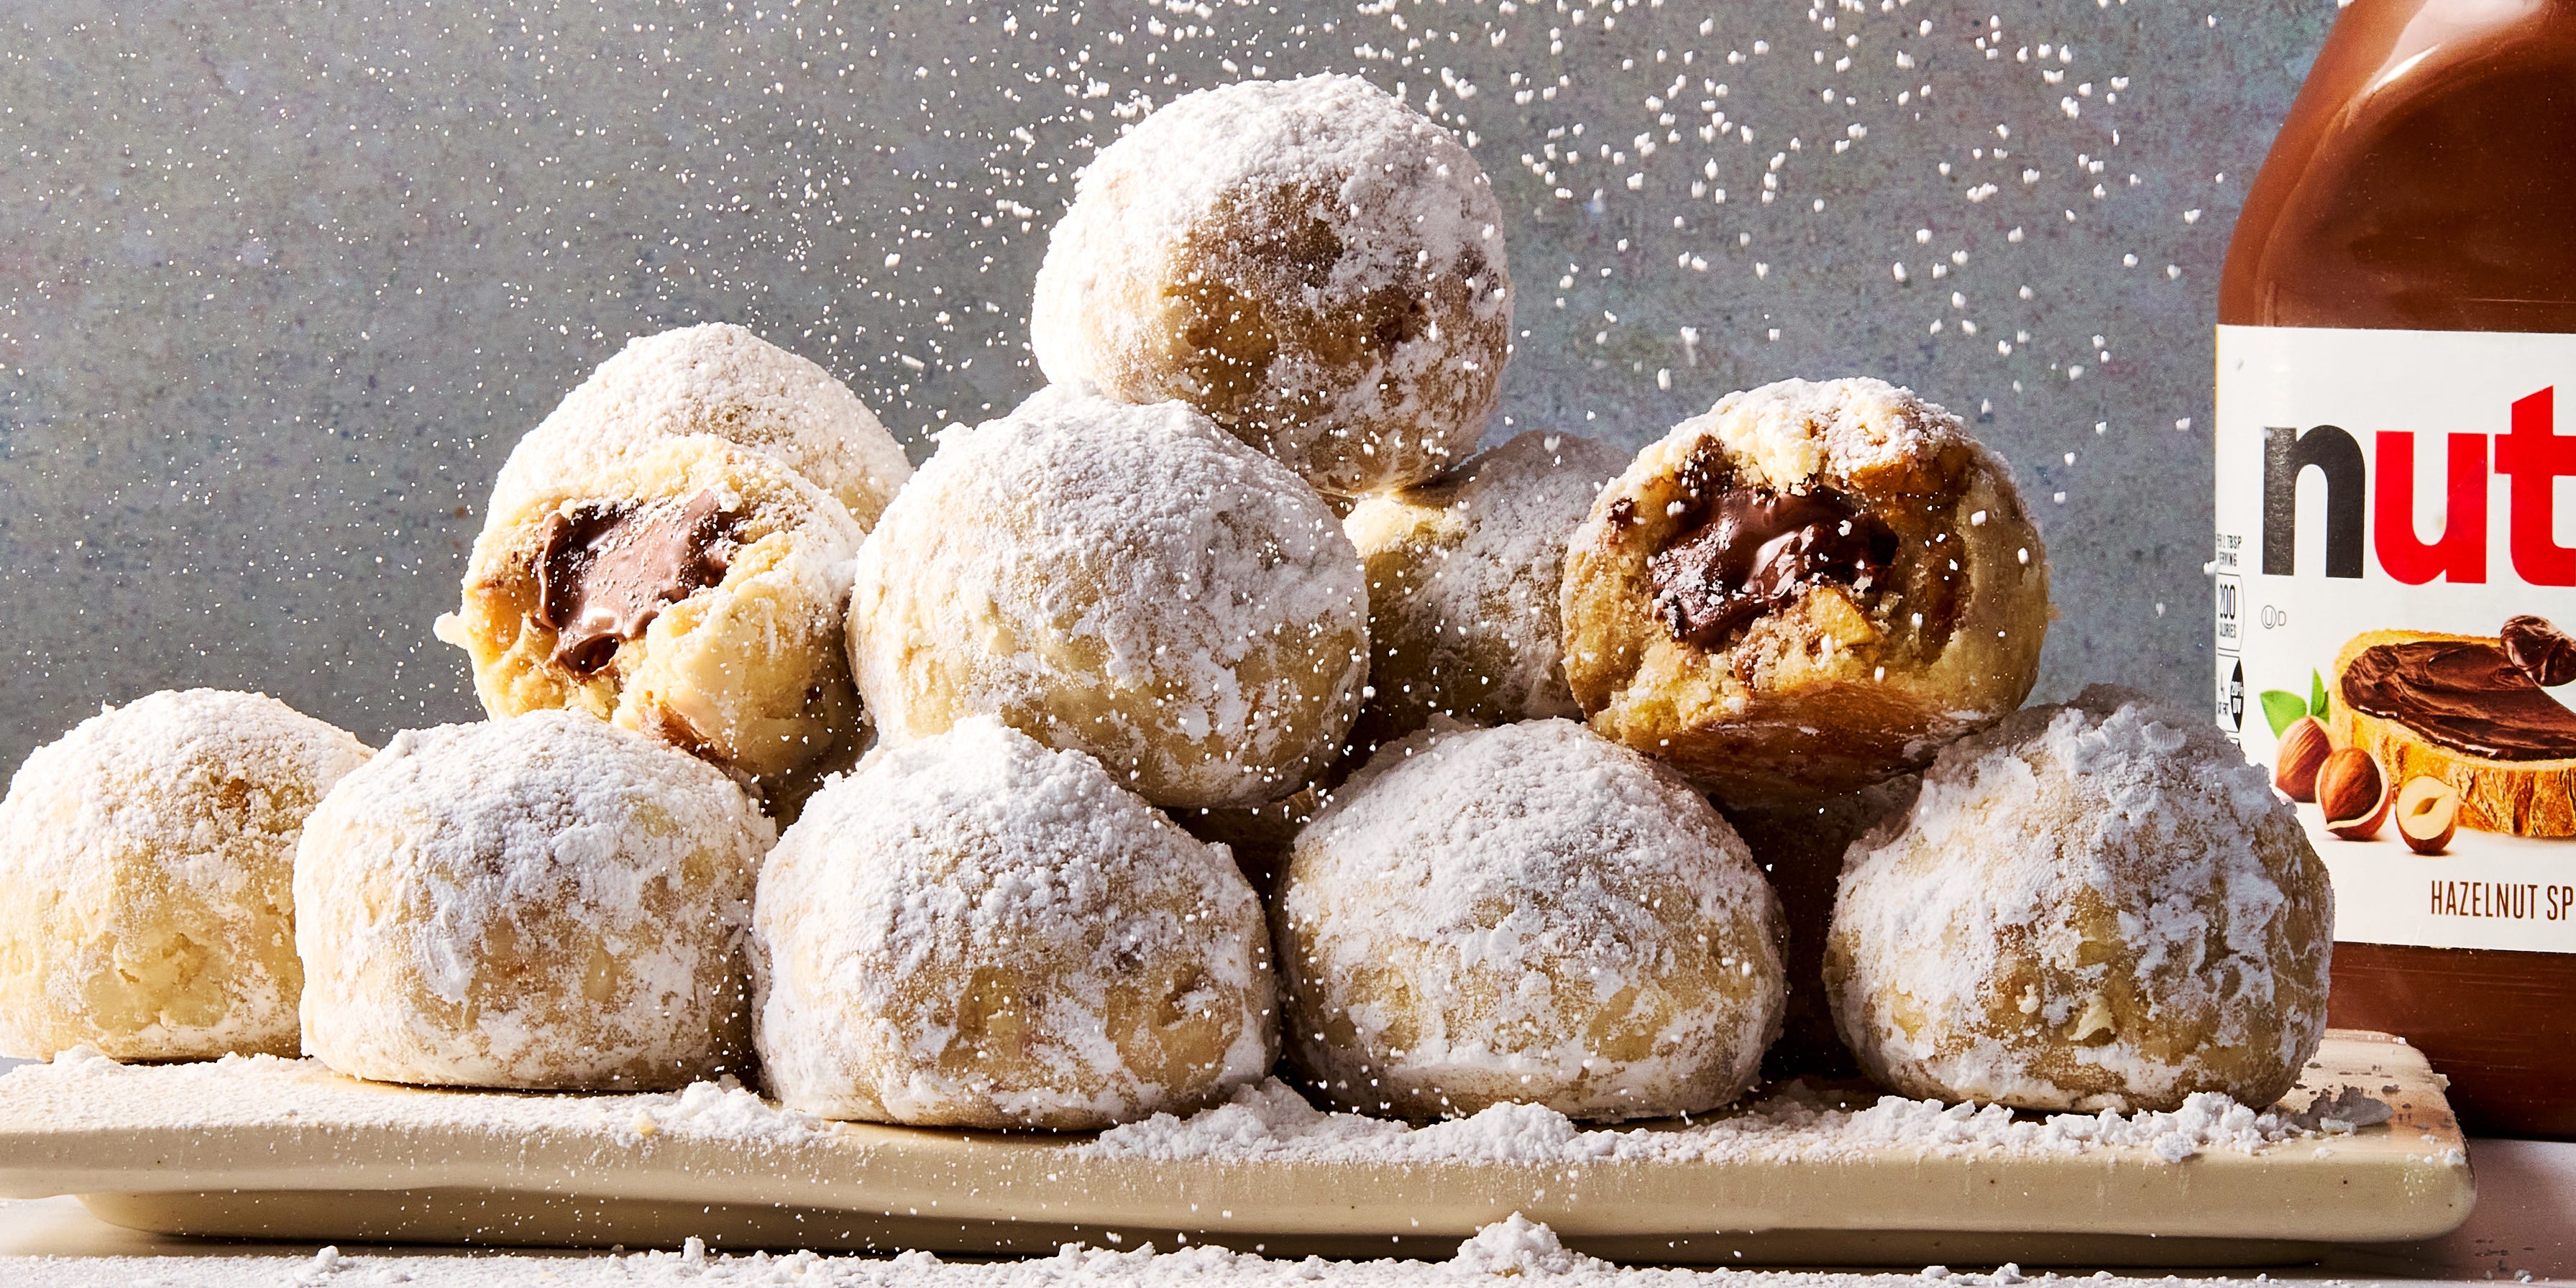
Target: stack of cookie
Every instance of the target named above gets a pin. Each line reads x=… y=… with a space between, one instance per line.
x=1211 y=704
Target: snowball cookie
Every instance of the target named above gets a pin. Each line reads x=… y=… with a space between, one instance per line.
x=145 y=867
x=692 y=590
x=1463 y=576
x=1126 y=581
x=1313 y=264
x=1805 y=591
x=717 y=379
x=974 y=930
x=2094 y=906
x=543 y=902
x=1526 y=913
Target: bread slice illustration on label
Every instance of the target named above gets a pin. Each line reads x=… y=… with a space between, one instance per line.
x=2473 y=711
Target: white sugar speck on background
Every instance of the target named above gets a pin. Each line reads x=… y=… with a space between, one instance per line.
x=296 y=311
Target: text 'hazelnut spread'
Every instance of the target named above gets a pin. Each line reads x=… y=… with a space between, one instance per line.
x=2396 y=353
x=605 y=571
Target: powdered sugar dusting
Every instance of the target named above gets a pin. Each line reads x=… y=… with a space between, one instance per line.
x=1132 y=582
x=1519 y=1246
x=970 y=929
x=1271 y=1122
x=2094 y=905
x=1465 y=574
x=1526 y=913
x=147 y=856
x=1262 y=1121
x=1362 y=205
x=1513 y=1250
x=1798 y=432
x=717 y=379
x=85 y=1090
x=543 y=901
x=1341 y=130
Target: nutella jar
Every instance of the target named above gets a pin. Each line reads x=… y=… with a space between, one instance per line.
x=2396 y=506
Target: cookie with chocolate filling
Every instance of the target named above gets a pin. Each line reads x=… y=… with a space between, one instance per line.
x=1805 y=591
x=693 y=590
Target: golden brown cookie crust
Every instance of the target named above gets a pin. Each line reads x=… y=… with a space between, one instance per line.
x=1842 y=686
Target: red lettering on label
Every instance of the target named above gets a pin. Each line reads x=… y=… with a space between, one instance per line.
x=2534 y=457
x=2461 y=553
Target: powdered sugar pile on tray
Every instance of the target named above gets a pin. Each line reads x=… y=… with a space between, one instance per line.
x=1272 y=1122
x=1512 y=1250
x=266 y=1091
x=1266 y=1122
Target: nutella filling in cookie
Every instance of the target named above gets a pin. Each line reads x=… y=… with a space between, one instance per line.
x=693 y=590
x=606 y=569
x=1804 y=592
x=1758 y=550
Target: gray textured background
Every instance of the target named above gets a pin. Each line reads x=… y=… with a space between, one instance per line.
x=281 y=284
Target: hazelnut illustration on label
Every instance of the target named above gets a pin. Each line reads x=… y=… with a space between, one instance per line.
x=2300 y=725
x=2428 y=814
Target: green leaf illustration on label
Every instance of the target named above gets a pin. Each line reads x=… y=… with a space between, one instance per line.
x=2281 y=708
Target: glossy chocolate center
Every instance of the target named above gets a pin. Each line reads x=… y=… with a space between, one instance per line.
x=2467 y=695
x=606 y=569
x=2543 y=651
x=1754 y=552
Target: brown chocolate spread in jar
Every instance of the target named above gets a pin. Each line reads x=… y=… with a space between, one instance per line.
x=605 y=570
x=2420 y=202
x=2468 y=695
x=1755 y=551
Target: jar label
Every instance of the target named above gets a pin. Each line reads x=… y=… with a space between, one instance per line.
x=2396 y=576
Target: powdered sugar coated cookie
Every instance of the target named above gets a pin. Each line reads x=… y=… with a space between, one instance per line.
x=1312 y=263
x=975 y=930
x=1127 y=581
x=2091 y=906
x=147 y=859
x=717 y=379
x=548 y=901
x=1528 y=913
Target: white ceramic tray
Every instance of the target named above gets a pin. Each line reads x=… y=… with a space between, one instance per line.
x=285 y=1150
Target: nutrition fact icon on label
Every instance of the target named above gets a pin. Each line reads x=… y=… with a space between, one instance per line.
x=2230 y=639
